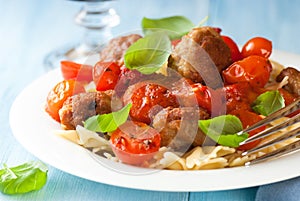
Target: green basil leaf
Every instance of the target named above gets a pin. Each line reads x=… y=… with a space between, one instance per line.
x=23 y=178
x=268 y=102
x=232 y=140
x=148 y=54
x=223 y=129
x=108 y=122
x=175 y=26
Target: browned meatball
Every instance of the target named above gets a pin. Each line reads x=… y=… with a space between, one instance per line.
x=201 y=56
x=78 y=108
x=178 y=127
x=117 y=47
x=293 y=85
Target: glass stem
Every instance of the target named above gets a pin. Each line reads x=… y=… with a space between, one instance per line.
x=97 y=18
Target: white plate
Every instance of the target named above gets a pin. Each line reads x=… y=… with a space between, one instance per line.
x=33 y=128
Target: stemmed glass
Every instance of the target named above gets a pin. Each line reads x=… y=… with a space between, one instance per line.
x=97 y=17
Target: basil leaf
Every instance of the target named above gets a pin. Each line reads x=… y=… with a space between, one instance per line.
x=108 y=122
x=23 y=178
x=268 y=102
x=175 y=26
x=223 y=129
x=148 y=54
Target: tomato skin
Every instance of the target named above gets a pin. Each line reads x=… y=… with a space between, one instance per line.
x=72 y=70
x=106 y=75
x=148 y=99
x=253 y=69
x=175 y=42
x=59 y=93
x=288 y=99
x=287 y=96
x=257 y=46
x=203 y=95
x=135 y=142
x=240 y=96
x=236 y=96
x=234 y=49
x=249 y=118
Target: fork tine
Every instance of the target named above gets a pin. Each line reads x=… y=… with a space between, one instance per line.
x=280 y=113
x=287 y=135
x=271 y=130
x=293 y=147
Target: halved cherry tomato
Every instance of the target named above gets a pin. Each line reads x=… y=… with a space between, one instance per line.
x=72 y=70
x=253 y=69
x=60 y=92
x=135 y=142
x=106 y=75
x=257 y=46
x=234 y=49
x=249 y=118
x=147 y=99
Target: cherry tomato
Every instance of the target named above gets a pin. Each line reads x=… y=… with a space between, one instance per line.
x=106 y=75
x=234 y=49
x=240 y=96
x=175 y=42
x=287 y=96
x=72 y=70
x=236 y=96
x=135 y=142
x=203 y=95
x=249 y=118
x=147 y=99
x=288 y=99
x=60 y=92
x=257 y=46
x=253 y=69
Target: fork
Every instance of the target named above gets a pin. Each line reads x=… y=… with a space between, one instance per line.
x=294 y=132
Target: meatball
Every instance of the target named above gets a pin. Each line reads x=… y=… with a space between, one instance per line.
x=76 y=109
x=116 y=48
x=293 y=85
x=178 y=127
x=201 y=56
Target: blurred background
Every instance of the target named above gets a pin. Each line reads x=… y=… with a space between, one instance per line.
x=44 y=26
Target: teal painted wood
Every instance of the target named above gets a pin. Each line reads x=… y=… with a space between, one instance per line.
x=31 y=29
x=246 y=194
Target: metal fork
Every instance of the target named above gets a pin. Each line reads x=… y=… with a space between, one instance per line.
x=295 y=132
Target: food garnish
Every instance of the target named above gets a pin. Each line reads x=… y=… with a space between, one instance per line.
x=23 y=178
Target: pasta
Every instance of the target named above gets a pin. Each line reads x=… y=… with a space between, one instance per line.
x=199 y=158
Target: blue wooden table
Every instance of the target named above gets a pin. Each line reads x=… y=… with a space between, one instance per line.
x=32 y=28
